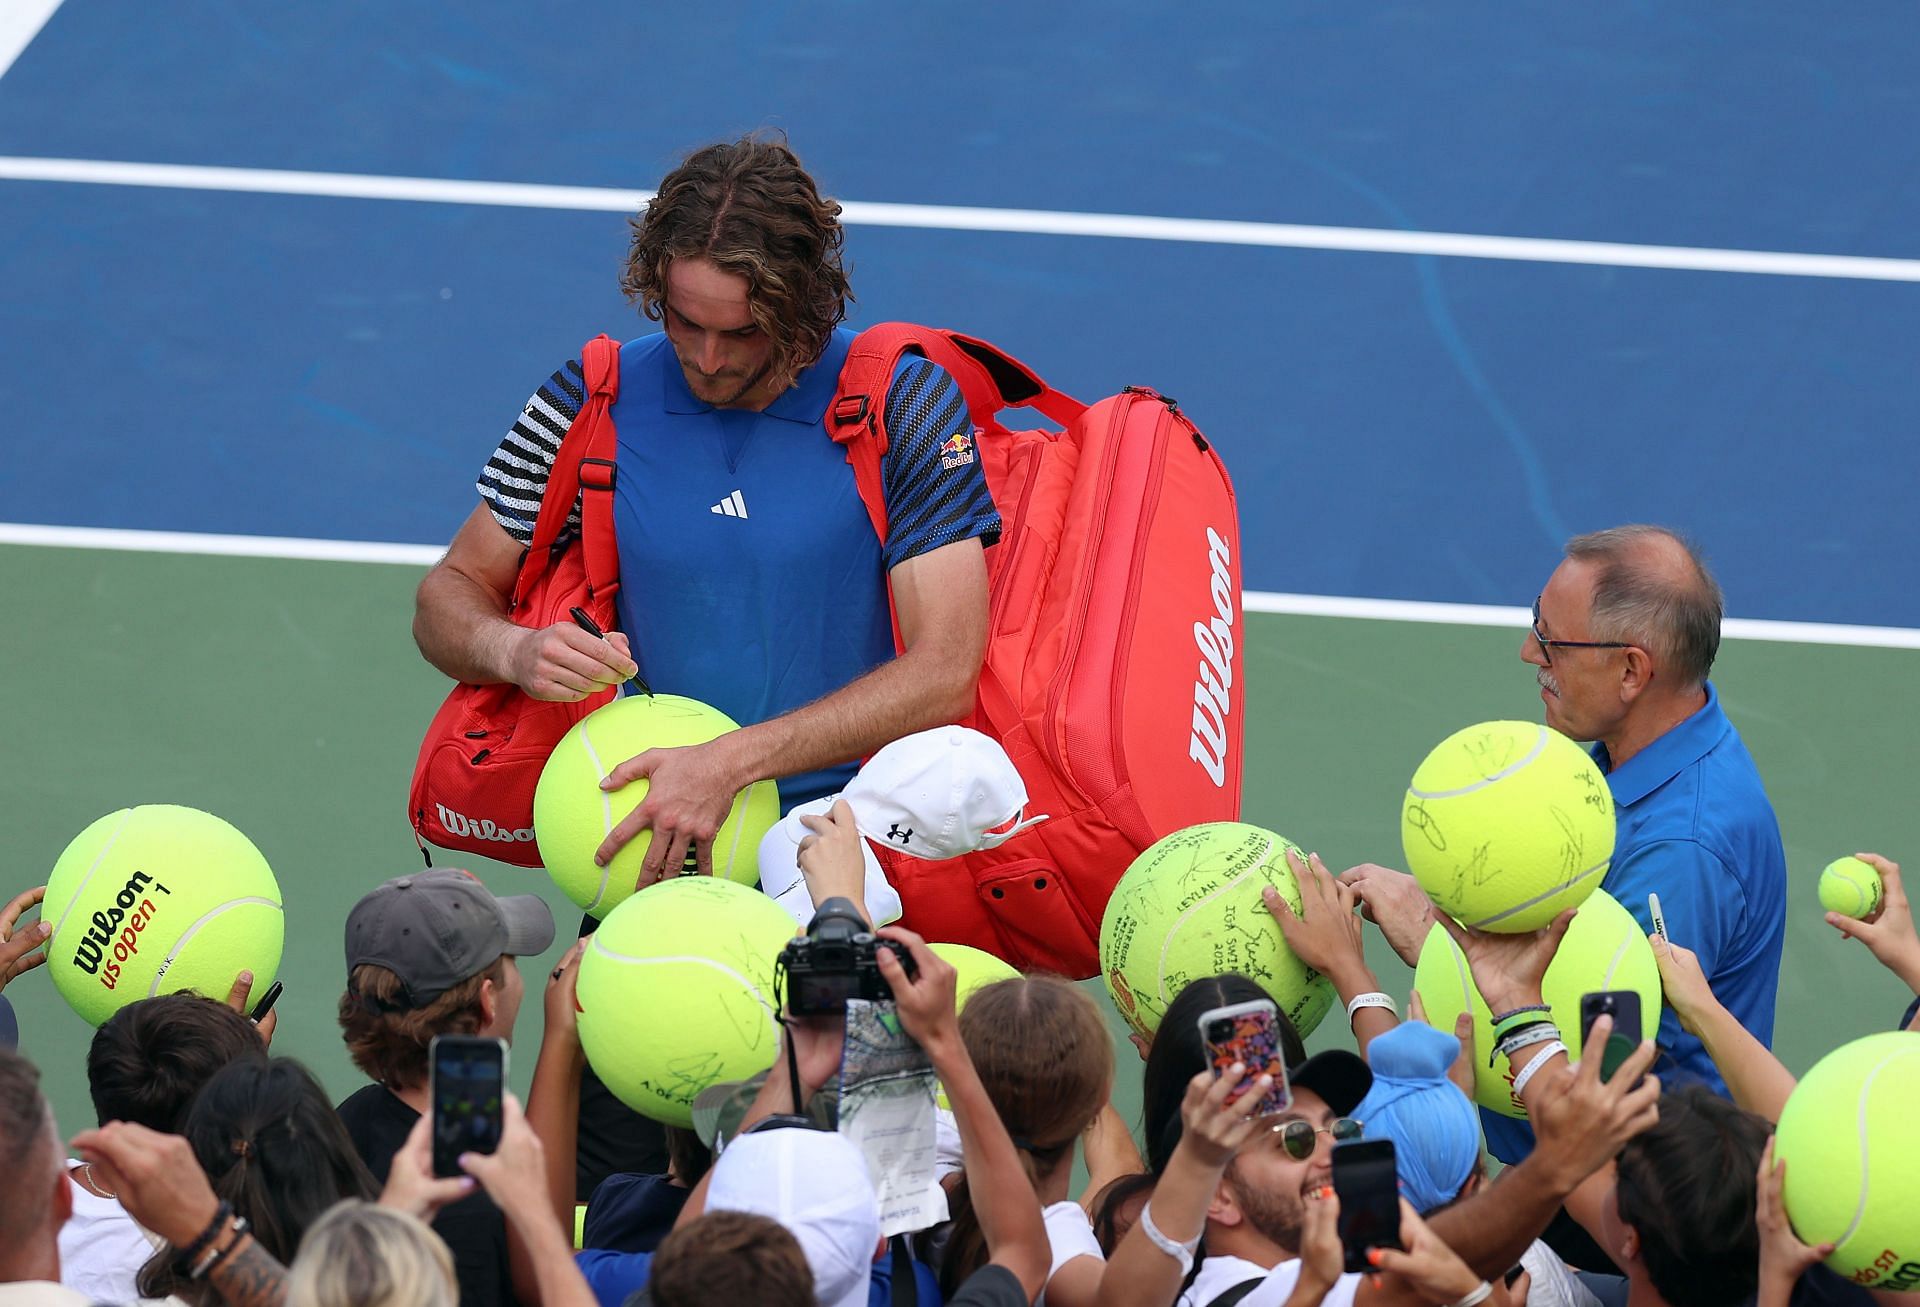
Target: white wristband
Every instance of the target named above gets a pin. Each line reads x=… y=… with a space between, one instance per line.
x=1373 y=999
x=1526 y=1074
x=1180 y=1252
x=1476 y=1296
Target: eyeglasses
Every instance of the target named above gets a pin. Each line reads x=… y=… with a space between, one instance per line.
x=1300 y=1139
x=1547 y=646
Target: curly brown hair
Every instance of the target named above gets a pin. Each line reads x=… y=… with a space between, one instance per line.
x=390 y=1046
x=750 y=207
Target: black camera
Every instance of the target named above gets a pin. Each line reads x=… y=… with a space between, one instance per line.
x=836 y=960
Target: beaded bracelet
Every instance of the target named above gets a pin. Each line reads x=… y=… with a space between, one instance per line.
x=224 y=1251
x=194 y=1249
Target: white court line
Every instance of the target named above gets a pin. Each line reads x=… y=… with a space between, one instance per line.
x=20 y=22
x=944 y=217
x=1254 y=601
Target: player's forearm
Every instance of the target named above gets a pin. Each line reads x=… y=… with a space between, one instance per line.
x=922 y=688
x=461 y=627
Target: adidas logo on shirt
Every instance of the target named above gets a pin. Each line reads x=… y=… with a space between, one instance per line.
x=732 y=506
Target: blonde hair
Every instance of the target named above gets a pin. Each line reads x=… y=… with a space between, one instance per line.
x=361 y=1254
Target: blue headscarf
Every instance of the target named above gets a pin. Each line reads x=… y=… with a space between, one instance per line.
x=1434 y=1127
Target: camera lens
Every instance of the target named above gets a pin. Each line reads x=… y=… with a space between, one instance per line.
x=1220 y=1031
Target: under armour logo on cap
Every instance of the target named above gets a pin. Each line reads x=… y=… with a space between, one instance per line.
x=940 y=794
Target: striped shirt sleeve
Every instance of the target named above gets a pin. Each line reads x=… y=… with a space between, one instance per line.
x=936 y=490
x=515 y=479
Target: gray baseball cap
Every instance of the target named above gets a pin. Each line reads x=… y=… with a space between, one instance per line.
x=434 y=929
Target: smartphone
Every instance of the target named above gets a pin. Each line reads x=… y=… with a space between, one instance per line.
x=265 y=1005
x=1367 y=1179
x=1248 y=1033
x=466 y=1092
x=1623 y=1005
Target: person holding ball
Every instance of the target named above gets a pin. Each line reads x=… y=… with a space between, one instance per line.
x=1623 y=637
x=754 y=580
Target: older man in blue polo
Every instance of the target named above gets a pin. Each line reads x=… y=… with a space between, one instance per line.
x=1623 y=637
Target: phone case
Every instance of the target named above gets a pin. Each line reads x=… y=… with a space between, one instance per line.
x=466 y=1088
x=1366 y=1176
x=1254 y=1042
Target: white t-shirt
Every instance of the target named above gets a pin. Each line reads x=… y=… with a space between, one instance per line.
x=1551 y=1284
x=1219 y=1274
x=40 y=1293
x=101 y=1248
x=1069 y=1233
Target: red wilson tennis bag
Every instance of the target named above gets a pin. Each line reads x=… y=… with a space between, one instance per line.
x=473 y=782
x=1112 y=673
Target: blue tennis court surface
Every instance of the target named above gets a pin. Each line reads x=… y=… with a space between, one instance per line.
x=1399 y=426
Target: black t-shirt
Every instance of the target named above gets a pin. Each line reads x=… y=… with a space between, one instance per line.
x=990 y=1286
x=474 y=1229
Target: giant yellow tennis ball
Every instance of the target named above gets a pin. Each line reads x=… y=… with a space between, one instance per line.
x=572 y=814
x=1851 y=888
x=157 y=899
x=1603 y=949
x=1506 y=824
x=1849 y=1136
x=676 y=992
x=1189 y=907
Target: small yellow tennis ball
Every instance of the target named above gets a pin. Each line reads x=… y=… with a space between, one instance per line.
x=572 y=814
x=676 y=992
x=1506 y=825
x=1190 y=907
x=1851 y=888
x=157 y=899
x=1604 y=948
x=1848 y=1135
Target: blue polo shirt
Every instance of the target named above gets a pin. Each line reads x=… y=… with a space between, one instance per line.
x=1696 y=828
x=751 y=577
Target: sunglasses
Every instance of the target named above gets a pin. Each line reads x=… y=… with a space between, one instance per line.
x=1300 y=1139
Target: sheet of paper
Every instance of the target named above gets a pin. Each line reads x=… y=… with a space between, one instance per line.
x=886 y=1108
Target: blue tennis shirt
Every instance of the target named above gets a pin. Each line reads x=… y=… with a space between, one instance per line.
x=1695 y=826
x=751 y=577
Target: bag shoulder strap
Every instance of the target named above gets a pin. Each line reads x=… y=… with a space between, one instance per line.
x=583 y=467
x=1237 y=1292
x=989 y=379
x=906 y=1289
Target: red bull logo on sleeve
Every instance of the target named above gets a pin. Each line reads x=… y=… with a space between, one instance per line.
x=957 y=451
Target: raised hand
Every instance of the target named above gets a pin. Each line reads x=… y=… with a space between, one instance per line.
x=1783 y=1257
x=690 y=790
x=1393 y=901
x=412 y=1186
x=563 y=663
x=1889 y=932
x=22 y=947
x=1325 y=933
x=1508 y=969
x=1580 y=1121
x=1214 y=1122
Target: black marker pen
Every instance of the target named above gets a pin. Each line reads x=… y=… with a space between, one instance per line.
x=584 y=620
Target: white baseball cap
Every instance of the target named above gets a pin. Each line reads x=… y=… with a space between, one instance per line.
x=939 y=794
x=815 y=1183
x=784 y=882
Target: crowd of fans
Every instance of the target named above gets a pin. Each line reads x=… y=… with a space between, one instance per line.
x=219 y=1173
